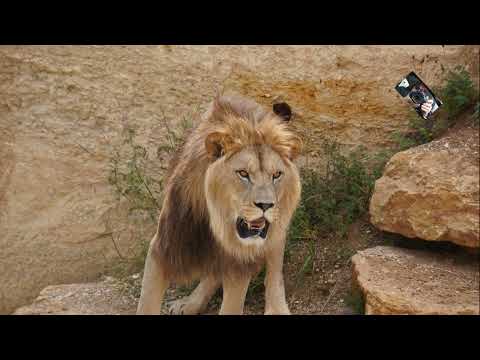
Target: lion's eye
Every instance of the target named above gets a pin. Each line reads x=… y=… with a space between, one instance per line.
x=243 y=174
x=277 y=175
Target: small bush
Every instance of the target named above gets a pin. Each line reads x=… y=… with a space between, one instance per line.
x=130 y=174
x=458 y=92
x=135 y=181
x=174 y=139
x=335 y=198
x=332 y=200
x=404 y=141
x=129 y=178
x=421 y=132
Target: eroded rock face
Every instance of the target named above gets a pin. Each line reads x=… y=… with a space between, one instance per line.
x=62 y=108
x=403 y=281
x=432 y=191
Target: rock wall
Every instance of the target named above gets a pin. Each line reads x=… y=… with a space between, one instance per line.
x=62 y=108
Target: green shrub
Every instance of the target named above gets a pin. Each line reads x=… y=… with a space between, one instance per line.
x=174 y=139
x=403 y=141
x=424 y=131
x=129 y=172
x=457 y=93
x=421 y=132
x=129 y=178
x=335 y=198
x=133 y=180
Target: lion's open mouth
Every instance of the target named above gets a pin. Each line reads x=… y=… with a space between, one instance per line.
x=247 y=229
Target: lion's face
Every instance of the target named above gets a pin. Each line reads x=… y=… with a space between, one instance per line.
x=251 y=197
x=251 y=185
x=249 y=188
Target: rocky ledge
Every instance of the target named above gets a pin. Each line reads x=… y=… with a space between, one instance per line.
x=106 y=297
x=396 y=280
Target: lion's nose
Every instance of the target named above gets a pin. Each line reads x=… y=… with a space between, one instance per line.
x=264 y=206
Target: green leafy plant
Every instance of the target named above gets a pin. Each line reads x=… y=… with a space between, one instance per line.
x=335 y=197
x=129 y=172
x=403 y=141
x=458 y=92
x=129 y=178
x=174 y=139
x=134 y=180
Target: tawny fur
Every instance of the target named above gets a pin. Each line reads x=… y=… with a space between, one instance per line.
x=195 y=236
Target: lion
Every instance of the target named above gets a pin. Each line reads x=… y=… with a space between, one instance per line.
x=229 y=197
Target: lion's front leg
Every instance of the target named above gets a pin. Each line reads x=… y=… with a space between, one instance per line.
x=234 y=292
x=154 y=284
x=275 y=300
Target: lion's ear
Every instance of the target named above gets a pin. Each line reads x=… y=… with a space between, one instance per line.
x=217 y=144
x=283 y=110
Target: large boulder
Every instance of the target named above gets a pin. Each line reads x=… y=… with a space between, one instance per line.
x=62 y=108
x=400 y=281
x=432 y=191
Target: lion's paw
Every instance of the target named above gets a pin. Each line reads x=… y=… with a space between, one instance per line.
x=183 y=306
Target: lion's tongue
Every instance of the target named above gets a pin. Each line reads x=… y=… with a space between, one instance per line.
x=257 y=224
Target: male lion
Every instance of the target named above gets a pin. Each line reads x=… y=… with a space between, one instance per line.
x=229 y=197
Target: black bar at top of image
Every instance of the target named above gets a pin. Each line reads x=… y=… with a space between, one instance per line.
x=240 y=23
